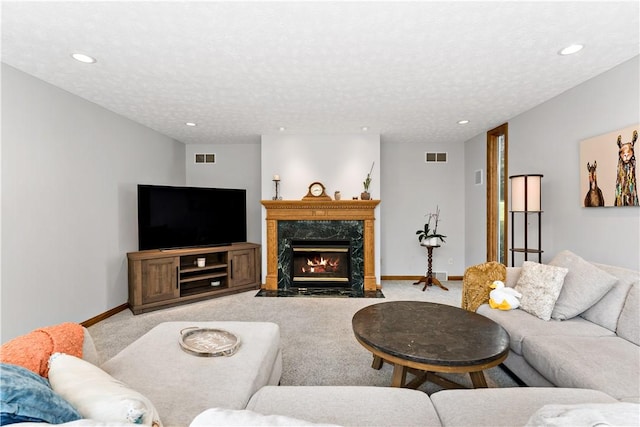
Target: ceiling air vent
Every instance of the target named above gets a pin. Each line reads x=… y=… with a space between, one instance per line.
x=205 y=158
x=435 y=157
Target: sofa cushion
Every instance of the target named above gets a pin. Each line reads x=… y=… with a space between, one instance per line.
x=26 y=396
x=629 y=320
x=347 y=405
x=505 y=406
x=96 y=394
x=520 y=324
x=182 y=385
x=243 y=417
x=540 y=286
x=589 y=414
x=521 y=368
x=583 y=286
x=608 y=364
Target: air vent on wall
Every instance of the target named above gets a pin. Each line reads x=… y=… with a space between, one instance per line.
x=205 y=158
x=435 y=157
x=442 y=276
x=478 y=177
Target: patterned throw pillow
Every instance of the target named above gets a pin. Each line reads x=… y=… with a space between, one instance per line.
x=540 y=286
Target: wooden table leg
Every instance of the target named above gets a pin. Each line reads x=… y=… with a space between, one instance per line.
x=434 y=281
x=428 y=279
x=377 y=362
x=478 y=380
x=424 y=279
x=399 y=375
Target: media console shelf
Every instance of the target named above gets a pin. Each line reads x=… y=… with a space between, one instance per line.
x=163 y=278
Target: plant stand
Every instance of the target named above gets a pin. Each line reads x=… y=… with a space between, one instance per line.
x=429 y=280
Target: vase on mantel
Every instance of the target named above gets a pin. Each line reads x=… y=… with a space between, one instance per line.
x=365 y=195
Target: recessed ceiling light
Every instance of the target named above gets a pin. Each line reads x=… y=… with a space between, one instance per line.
x=364 y=128
x=81 y=57
x=282 y=128
x=463 y=122
x=570 y=50
x=191 y=124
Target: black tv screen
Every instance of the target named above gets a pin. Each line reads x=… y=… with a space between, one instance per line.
x=177 y=217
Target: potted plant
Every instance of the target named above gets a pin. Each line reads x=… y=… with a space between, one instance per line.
x=365 y=194
x=428 y=236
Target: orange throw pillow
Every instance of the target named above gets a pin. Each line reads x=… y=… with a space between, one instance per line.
x=32 y=351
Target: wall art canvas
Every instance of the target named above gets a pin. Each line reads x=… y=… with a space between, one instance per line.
x=608 y=174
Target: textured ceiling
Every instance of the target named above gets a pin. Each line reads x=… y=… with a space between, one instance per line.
x=407 y=70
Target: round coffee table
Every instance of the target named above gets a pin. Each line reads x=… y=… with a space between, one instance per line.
x=424 y=338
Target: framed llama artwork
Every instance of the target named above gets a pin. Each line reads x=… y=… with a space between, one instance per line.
x=608 y=174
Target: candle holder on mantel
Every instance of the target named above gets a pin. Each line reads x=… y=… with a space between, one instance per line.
x=276 y=180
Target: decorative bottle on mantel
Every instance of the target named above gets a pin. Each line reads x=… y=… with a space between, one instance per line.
x=365 y=194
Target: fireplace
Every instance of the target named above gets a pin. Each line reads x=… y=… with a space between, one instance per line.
x=335 y=220
x=320 y=263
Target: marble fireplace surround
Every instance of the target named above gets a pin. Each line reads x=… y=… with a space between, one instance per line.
x=312 y=210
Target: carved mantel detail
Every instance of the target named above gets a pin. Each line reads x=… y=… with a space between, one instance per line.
x=330 y=210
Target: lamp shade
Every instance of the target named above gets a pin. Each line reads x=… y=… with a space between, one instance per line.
x=526 y=195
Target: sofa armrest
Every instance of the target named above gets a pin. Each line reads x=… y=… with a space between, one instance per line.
x=89 y=351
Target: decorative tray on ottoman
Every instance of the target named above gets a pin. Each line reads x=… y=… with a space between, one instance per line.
x=208 y=342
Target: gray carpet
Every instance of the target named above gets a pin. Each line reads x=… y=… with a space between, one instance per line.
x=316 y=336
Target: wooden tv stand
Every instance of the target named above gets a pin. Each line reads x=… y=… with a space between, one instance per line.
x=163 y=278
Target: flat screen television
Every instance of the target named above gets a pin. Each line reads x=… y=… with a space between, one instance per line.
x=178 y=217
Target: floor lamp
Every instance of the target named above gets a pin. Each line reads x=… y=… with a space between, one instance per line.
x=526 y=198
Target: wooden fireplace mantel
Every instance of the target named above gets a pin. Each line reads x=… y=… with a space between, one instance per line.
x=321 y=210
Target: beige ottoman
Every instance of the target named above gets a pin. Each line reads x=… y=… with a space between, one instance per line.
x=181 y=385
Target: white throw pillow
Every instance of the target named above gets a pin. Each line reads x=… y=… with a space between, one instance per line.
x=584 y=285
x=540 y=286
x=246 y=418
x=586 y=414
x=96 y=394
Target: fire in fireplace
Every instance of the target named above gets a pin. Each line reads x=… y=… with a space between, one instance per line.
x=321 y=263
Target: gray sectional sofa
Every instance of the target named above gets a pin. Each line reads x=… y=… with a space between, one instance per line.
x=582 y=368
x=597 y=349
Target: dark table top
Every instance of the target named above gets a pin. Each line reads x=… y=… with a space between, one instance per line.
x=430 y=333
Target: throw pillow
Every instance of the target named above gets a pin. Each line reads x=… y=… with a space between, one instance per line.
x=96 y=394
x=628 y=327
x=606 y=311
x=27 y=397
x=540 y=286
x=32 y=351
x=584 y=285
x=245 y=417
x=476 y=282
x=587 y=414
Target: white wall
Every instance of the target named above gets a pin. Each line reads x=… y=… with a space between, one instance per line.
x=411 y=189
x=475 y=206
x=546 y=140
x=69 y=206
x=340 y=162
x=237 y=166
